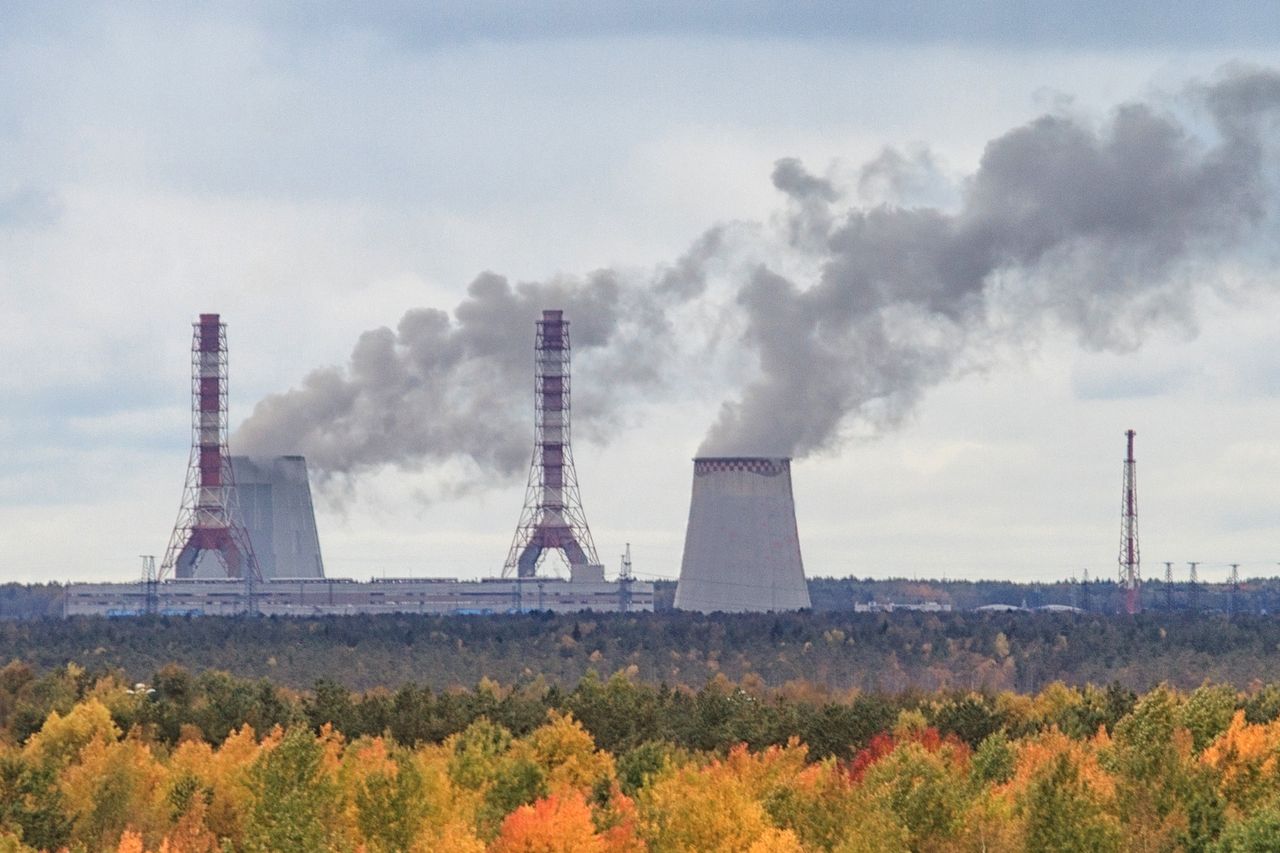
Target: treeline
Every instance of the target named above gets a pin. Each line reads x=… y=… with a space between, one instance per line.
x=187 y=763
x=872 y=652
x=1254 y=595
x=620 y=713
x=30 y=601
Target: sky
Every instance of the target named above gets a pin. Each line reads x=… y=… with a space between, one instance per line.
x=943 y=257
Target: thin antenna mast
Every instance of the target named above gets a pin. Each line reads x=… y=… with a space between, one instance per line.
x=1130 y=561
x=1235 y=587
x=624 y=580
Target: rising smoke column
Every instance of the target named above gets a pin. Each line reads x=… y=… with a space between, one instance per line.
x=1105 y=231
x=1097 y=230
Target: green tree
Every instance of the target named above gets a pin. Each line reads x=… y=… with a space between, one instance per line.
x=389 y=806
x=1258 y=832
x=993 y=762
x=295 y=801
x=1207 y=713
x=1062 y=816
x=31 y=805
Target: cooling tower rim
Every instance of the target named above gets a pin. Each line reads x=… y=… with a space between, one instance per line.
x=769 y=466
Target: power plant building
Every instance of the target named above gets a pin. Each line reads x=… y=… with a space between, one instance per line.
x=339 y=597
x=741 y=549
x=245 y=540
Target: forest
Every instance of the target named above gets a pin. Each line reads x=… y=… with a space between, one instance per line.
x=888 y=652
x=828 y=730
x=187 y=763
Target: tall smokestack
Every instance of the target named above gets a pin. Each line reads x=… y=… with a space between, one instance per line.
x=741 y=549
x=552 y=518
x=209 y=538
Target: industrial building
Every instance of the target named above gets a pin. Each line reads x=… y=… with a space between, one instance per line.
x=741 y=549
x=246 y=540
x=337 y=597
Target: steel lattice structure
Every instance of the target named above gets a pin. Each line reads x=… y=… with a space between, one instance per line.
x=552 y=518
x=209 y=526
x=1130 y=559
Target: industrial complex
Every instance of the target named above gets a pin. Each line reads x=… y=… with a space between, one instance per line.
x=246 y=539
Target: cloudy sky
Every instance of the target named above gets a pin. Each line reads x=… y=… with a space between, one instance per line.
x=944 y=258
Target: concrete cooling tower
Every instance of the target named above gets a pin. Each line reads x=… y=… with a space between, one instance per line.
x=275 y=505
x=741 y=550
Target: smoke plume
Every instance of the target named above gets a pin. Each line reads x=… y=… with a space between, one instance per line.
x=1098 y=230
x=1103 y=229
x=439 y=387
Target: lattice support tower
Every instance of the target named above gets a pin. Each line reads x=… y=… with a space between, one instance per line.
x=1130 y=559
x=552 y=518
x=625 y=576
x=209 y=538
x=1234 y=583
x=150 y=592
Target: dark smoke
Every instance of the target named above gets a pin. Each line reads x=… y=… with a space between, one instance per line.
x=1097 y=230
x=438 y=387
x=1106 y=231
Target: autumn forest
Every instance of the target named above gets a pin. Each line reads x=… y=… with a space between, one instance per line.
x=820 y=731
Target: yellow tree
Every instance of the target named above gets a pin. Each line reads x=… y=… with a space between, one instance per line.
x=219 y=777
x=567 y=755
x=60 y=739
x=116 y=785
x=1246 y=758
x=712 y=809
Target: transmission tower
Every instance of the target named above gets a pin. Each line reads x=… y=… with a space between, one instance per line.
x=1084 y=591
x=1130 y=562
x=1193 y=587
x=1168 y=586
x=1234 y=582
x=150 y=595
x=625 y=577
x=552 y=518
x=209 y=539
